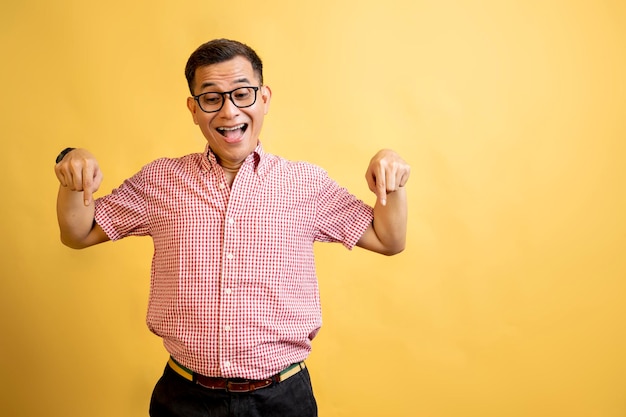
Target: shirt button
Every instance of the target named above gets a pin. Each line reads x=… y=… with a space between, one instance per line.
x=230 y=256
x=227 y=327
x=226 y=364
x=231 y=220
x=228 y=291
x=221 y=186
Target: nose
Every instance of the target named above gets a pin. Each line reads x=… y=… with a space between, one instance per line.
x=229 y=109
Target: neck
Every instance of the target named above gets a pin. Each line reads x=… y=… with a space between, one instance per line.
x=230 y=173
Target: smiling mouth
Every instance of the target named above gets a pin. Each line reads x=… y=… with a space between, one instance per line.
x=233 y=132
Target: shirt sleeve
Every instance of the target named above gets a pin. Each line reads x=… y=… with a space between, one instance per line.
x=341 y=217
x=123 y=212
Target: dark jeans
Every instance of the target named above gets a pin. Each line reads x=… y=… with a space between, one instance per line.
x=174 y=396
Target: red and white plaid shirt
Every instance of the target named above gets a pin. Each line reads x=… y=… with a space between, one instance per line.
x=233 y=289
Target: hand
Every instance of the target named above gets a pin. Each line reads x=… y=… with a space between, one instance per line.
x=79 y=171
x=386 y=173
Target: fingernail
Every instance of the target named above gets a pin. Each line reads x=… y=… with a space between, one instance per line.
x=86 y=202
x=383 y=201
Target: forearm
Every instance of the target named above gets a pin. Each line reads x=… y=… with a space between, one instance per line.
x=390 y=221
x=76 y=220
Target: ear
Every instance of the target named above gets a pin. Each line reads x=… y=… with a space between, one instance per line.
x=193 y=108
x=266 y=96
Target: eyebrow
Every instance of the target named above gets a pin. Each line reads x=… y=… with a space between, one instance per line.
x=242 y=80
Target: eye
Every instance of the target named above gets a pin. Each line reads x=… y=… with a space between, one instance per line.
x=241 y=94
x=211 y=98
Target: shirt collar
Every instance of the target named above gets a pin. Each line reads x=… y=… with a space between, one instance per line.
x=257 y=157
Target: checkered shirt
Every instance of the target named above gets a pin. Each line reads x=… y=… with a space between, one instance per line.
x=233 y=290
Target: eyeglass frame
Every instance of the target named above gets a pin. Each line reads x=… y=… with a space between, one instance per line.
x=230 y=97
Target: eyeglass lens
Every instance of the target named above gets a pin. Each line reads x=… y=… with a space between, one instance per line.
x=241 y=97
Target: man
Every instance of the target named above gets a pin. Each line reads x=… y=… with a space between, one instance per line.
x=233 y=287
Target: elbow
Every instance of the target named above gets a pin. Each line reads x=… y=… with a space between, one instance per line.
x=81 y=241
x=72 y=243
x=394 y=250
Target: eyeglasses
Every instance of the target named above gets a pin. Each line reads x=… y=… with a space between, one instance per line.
x=212 y=101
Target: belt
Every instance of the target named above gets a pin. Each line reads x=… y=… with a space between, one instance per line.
x=234 y=384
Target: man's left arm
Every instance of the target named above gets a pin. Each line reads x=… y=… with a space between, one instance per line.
x=386 y=176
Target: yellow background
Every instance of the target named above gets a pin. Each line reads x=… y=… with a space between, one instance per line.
x=508 y=299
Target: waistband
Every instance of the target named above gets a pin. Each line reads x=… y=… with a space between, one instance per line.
x=234 y=384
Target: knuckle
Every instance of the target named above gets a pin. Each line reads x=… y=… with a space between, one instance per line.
x=75 y=164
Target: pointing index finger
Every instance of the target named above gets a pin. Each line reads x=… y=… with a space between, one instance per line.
x=88 y=177
x=381 y=186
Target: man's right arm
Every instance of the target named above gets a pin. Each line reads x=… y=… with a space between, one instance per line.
x=79 y=177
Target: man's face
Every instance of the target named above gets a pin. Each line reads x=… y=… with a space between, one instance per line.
x=232 y=132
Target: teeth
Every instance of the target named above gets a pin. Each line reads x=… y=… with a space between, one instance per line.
x=241 y=126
